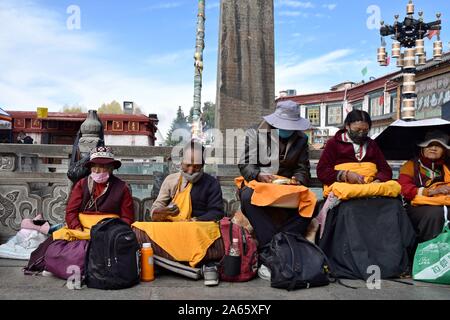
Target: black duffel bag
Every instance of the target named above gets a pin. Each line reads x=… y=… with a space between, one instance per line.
x=295 y=263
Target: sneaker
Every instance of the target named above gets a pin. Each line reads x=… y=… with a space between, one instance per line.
x=46 y=273
x=211 y=275
x=264 y=272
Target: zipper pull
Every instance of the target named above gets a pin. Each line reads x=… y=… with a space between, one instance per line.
x=115 y=259
x=109 y=262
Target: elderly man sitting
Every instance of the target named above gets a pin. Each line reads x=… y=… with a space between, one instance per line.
x=189 y=194
x=185 y=214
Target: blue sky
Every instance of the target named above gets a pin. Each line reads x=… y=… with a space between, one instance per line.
x=142 y=50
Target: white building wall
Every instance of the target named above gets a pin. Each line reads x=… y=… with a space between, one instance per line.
x=37 y=137
x=366 y=103
x=323 y=115
x=387 y=103
x=303 y=111
x=127 y=140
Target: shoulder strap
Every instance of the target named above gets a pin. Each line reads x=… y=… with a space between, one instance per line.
x=445 y=217
x=231 y=236
x=417 y=178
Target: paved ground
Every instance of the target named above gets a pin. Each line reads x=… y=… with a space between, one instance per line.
x=14 y=285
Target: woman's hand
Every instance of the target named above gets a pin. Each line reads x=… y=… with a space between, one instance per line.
x=354 y=178
x=265 y=178
x=441 y=190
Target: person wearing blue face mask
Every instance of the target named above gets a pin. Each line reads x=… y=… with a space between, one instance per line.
x=285 y=134
x=282 y=131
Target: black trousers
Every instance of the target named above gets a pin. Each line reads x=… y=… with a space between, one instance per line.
x=428 y=221
x=268 y=221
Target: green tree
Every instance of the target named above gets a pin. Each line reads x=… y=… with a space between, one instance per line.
x=208 y=115
x=137 y=110
x=180 y=122
x=73 y=109
x=111 y=108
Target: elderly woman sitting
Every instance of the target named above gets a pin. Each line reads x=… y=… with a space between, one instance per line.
x=101 y=193
x=425 y=182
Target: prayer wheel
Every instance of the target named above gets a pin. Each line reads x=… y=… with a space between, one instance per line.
x=437 y=50
x=409 y=109
x=396 y=49
x=410 y=58
x=422 y=60
x=401 y=61
x=410 y=8
x=420 y=47
x=409 y=83
x=381 y=55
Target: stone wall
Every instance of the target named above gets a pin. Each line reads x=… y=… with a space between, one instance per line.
x=246 y=80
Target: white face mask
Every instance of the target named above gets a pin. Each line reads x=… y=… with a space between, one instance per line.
x=193 y=178
x=100 y=177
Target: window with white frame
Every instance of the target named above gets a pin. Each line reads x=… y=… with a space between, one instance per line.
x=313 y=115
x=357 y=105
x=334 y=114
x=393 y=101
x=376 y=104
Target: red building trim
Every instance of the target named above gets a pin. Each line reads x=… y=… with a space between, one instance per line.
x=69 y=123
x=26 y=120
x=354 y=94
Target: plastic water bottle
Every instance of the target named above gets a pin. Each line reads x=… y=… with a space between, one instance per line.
x=234 y=249
x=147 y=265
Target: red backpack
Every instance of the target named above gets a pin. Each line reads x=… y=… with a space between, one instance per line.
x=247 y=247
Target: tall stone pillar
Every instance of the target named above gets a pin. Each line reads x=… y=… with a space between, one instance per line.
x=245 y=78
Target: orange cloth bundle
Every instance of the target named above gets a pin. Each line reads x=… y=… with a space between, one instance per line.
x=282 y=196
x=345 y=191
x=87 y=221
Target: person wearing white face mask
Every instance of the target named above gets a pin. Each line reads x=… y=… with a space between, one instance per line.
x=191 y=194
x=101 y=193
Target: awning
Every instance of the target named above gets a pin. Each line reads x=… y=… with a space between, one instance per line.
x=5 y=125
x=5 y=116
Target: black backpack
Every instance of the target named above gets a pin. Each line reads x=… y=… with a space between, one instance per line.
x=295 y=263
x=113 y=256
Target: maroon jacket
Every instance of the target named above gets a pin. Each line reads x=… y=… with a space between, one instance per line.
x=338 y=152
x=116 y=200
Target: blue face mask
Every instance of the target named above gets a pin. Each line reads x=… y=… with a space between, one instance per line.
x=285 y=134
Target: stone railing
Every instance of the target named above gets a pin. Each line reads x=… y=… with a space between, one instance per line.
x=33 y=180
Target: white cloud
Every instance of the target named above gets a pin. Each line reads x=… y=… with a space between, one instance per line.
x=330 y=7
x=44 y=64
x=294 y=4
x=318 y=74
x=293 y=14
x=164 y=5
x=170 y=58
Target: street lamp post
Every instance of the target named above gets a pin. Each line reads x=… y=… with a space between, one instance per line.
x=410 y=34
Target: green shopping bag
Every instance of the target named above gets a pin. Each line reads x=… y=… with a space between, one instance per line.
x=432 y=258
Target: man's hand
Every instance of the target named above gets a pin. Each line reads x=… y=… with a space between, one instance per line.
x=170 y=211
x=354 y=178
x=265 y=178
x=162 y=214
